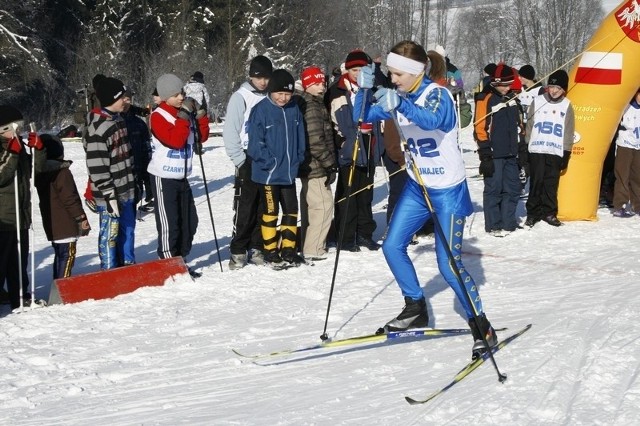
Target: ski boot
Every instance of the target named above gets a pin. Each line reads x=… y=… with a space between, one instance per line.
x=487 y=330
x=414 y=315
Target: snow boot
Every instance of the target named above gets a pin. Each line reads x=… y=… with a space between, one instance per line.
x=194 y=273
x=272 y=257
x=414 y=315
x=367 y=243
x=237 y=261
x=256 y=257
x=485 y=329
x=291 y=257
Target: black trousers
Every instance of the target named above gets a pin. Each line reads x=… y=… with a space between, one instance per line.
x=358 y=214
x=9 y=269
x=397 y=180
x=176 y=216
x=544 y=171
x=248 y=208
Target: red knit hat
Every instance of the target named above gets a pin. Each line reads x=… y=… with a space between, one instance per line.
x=357 y=58
x=503 y=75
x=311 y=76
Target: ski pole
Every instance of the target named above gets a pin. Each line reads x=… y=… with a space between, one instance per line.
x=32 y=127
x=206 y=190
x=343 y=225
x=440 y=232
x=16 y=188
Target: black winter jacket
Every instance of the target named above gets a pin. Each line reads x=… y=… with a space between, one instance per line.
x=10 y=164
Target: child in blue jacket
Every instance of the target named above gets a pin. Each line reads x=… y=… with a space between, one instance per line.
x=276 y=148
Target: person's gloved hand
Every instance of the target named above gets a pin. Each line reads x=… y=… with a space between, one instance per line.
x=388 y=99
x=83 y=225
x=366 y=78
x=34 y=141
x=188 y=108
x=14 y=145
x=487 y=168
x=331 y=176
x=112 y=207
x=565 y=160
x=408 y=160
x=201 y=111
x=197 y=148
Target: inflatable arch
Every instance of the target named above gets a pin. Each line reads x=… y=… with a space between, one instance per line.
x=601 y=84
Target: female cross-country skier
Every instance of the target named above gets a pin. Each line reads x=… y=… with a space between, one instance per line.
x=426 y=116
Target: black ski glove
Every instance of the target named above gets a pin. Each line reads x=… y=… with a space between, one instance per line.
x=487 y=168
x=331 y=176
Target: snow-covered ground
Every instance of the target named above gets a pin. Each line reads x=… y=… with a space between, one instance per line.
x=162 y=355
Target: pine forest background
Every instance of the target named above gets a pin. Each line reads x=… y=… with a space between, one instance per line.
x=50 y=49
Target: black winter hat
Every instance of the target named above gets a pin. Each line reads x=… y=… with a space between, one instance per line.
x=527 y=71
x=198 y=76
x=53 y=145
x=490 y=69
x=109 y=90
x=260 y=66
x=503 y=75
x=97 y=79
x=357 y=58
x=281 y=81
x=9 y=115
x=559 y=78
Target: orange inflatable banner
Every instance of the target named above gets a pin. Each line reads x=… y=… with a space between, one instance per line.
x=601 y=83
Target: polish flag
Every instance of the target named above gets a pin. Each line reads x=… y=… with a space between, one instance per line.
x=600 y=68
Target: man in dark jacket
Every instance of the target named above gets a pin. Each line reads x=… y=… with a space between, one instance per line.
x=15 y=170
x=498 y=131
x=367 y=140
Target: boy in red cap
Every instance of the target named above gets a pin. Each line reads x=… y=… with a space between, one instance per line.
x=318 y=171
x=498 y=131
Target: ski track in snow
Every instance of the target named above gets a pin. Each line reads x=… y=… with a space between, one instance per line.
x=162 y=355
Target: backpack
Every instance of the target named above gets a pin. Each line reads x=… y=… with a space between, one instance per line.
x=466 y=115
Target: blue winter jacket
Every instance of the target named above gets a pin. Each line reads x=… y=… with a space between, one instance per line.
x=276 y=142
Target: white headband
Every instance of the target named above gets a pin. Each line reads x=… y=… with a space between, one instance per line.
x=405 y=64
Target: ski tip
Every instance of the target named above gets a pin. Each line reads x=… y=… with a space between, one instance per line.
x=412 y=401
